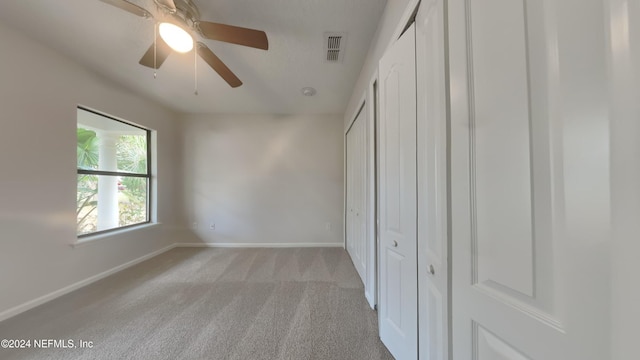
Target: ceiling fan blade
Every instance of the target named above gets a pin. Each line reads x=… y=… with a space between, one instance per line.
x=167 y=4
x=162 y=51
x=129 y=7
x=234 y=34
x=217 y=65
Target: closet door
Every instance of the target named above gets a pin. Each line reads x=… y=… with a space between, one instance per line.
x=356 y=190
x=433 y=272
x=529 y=180
x=398 y=301
x=360 y=260
x=349 y=190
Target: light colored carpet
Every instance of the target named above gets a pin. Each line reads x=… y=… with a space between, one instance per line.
x=212 y=304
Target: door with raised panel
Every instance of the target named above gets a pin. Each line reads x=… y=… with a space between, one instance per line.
x=529 y=180
x=356 y=200
x=349 y=211
x=432 y=182
x=398 y=243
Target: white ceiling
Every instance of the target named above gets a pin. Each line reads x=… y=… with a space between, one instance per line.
x=110 y=42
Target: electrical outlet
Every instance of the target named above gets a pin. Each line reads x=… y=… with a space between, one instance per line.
x=194 y=225
x=212 y=226
x=328 y=226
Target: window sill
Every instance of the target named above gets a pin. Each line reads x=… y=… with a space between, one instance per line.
x=92 y=238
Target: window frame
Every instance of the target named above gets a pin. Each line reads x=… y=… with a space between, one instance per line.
x=148 y=175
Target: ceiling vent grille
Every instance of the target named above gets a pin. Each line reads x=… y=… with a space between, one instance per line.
x=334 y=43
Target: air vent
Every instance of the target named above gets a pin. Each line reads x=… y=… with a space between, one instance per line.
x=334 y=43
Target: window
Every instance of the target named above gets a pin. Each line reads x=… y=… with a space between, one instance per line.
x=113 y=173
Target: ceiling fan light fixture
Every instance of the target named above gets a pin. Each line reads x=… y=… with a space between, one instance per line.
x=176 y=37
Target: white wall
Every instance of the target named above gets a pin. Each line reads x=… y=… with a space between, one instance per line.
x=264 y=179
x=623 y=50
x=39 y=92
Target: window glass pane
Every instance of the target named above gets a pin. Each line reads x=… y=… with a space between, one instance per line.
x=105 y=144
x=131 y=153
x=132 y=200
x=87 y=201
x=106 y=202
x=87 y=149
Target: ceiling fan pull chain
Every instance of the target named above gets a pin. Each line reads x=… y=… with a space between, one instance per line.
x=155 y=49
x=195 y=68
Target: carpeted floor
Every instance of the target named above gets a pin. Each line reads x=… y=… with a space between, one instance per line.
x=212 y=304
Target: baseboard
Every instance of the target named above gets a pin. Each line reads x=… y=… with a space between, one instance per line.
x=259 y=245
x=67 y=289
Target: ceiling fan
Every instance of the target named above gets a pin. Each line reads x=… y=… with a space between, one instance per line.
x=177 y=23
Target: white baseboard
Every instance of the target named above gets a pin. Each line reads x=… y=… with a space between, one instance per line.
x=67 y=289
x=259 y=245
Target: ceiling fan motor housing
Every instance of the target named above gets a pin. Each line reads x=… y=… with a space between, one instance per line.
x=186 y=14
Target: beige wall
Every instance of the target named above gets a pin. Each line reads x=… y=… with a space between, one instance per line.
x=262 y=179
x=39 y=92
x=265 y=179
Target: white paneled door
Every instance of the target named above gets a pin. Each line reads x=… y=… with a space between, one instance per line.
x=529 y=188
x=432 y=182
x=356 y=195
x=398 y=302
